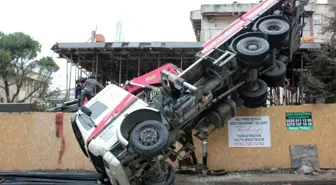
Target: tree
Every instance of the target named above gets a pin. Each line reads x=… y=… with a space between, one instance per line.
x=21 y=69
x=45 y=103
x=319 y=78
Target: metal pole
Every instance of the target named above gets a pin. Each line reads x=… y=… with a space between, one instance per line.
x=70 y=81
x=139 y=66
x=158 y=60
x=205 y=151
x=66 y=81
x=120 y=63
x=127 y=69
x=76 y=69
x=70 y=77
x=93 y=66
x=76 y=72
x=96 y=71
x=181 y=64
x=79 y=68
x=97 y=65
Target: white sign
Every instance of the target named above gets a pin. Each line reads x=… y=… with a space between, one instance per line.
x=249 y=131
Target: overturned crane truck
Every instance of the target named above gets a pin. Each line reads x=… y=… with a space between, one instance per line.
x=128 y=139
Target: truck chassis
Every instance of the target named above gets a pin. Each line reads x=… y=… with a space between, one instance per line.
x=130 y=140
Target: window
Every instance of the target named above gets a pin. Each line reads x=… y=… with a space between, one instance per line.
x=322 y=2
x=318 y=19
x=307 y=24
x=97 y=109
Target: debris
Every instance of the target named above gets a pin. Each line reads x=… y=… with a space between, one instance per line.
x=274 y=170
x=306 y=169
x=271 y=170
x=331 y=172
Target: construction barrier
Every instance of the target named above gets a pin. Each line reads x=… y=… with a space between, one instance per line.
x=29 y=141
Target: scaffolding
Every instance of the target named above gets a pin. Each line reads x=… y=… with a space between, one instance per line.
x=116 y=62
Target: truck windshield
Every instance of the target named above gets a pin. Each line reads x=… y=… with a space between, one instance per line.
x=97 y=109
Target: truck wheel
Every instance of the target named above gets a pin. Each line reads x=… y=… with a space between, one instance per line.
x=149 y=138
x=276 y=76
x=256 y=96
x=276 y=30
x=252 y=49
x=255 y=103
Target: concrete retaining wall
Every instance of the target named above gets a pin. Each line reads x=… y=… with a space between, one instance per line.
x=29 y=142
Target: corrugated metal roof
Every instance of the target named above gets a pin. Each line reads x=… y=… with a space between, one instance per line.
x=119 y=45
x=81 y=45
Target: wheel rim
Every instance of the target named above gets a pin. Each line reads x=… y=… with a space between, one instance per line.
x=273 y=28
x=148 y=137
x=255 y=87
x=252 y=47
x=275 y=68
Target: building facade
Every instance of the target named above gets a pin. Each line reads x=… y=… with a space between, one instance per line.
x=32 y=85
x=212 y=18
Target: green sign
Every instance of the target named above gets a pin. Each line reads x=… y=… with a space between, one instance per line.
x=299 y=121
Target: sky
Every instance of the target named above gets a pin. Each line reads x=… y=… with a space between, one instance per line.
x=51 y=21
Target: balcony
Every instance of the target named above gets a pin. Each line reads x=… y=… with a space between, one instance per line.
x=311 y=7
x=226 y=9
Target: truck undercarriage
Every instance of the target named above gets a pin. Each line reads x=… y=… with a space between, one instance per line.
x=129 y=136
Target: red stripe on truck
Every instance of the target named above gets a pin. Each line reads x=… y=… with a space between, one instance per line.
x=125 y=102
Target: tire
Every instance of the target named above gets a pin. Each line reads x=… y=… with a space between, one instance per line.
x=142 y=141
x=256 y=95
x=252 y=49
x=275 y=77
x=276 y=30
x=169 y=178
x=255 y=103
x=255 y=64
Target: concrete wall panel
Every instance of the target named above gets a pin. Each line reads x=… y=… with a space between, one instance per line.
x=323 y=135
x=29 y=142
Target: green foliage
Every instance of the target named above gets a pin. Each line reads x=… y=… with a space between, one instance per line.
x=20 y=68
x=43 y=105
x=330 y=19
x=5 y=58
x=319 y=78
